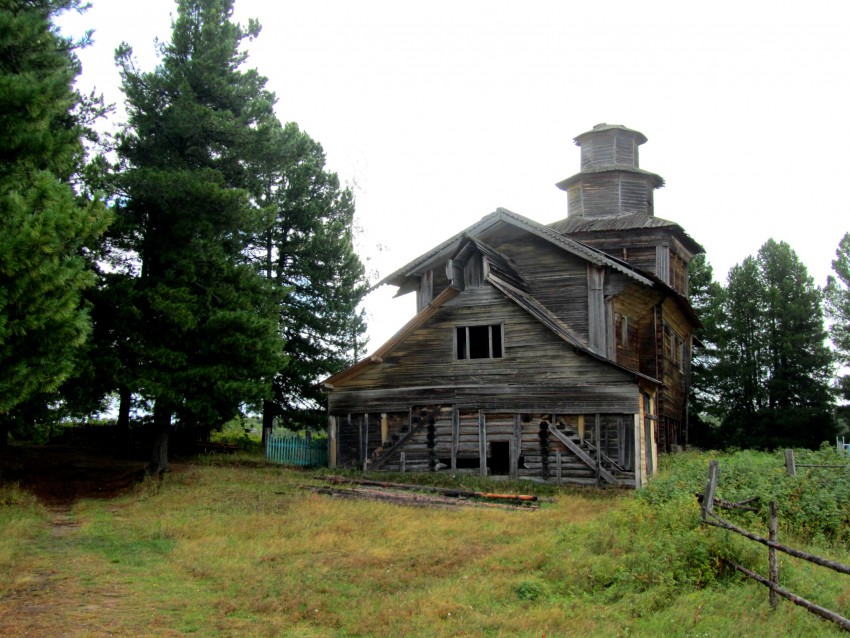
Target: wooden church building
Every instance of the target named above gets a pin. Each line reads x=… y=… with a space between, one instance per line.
x=557 y=352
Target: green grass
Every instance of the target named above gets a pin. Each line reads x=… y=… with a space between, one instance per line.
x=233 y=547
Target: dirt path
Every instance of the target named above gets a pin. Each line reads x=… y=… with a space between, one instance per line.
x=62 y=475
x=47 y=600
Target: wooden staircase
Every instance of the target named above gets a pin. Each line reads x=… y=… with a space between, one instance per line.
x=585 y=451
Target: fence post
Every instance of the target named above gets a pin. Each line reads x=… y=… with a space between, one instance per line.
x=401 y=460
x=309 y=438
x=773 y=562
x=710 y=486
x=790 y=466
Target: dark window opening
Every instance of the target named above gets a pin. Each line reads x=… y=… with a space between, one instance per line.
x=467 y=463
x=479 y=342
x=500 y=457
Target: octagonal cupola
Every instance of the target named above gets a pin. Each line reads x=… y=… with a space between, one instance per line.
x=611 y=182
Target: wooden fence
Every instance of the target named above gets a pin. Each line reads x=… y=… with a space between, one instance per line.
x=791 y=464
x=772 y=581
x=297 y=450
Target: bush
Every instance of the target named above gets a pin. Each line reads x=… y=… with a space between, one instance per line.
x=814 y=504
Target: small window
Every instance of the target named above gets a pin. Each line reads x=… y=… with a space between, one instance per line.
x=479 y=342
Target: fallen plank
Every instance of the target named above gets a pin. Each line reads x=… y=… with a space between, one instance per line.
x=409 y=498
x=452 y=492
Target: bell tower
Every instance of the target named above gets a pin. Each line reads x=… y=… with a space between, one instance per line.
x=611 y=182
x=611 y=207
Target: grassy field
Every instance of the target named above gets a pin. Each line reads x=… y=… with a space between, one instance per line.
x=234 y=547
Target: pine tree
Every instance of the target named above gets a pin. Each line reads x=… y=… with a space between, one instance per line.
x=307 y=249
x=800 y=362
x=46 y=226
x=207 y=328
x=706 y=296
x=774 y=367
x=838 y=309
x=741 y=366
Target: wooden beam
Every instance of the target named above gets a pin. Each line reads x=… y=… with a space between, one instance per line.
x=823 y=612
x=516 y=445
x=455 y=437
x=332 y=440
x=482 y=443
x=379 y=462
x=710 y=486
x=365 y=441
x=637 y=428
x=598 y=441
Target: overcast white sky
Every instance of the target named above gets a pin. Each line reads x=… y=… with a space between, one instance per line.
x=437 y=113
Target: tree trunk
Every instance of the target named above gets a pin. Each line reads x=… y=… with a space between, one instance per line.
x=4 y=433
x=124 y=396
x=162 y=427
x=269 y=410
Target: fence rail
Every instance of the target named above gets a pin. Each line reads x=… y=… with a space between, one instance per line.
x=296 y=450
x=710 y=518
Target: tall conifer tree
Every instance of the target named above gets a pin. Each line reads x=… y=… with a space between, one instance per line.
x=207 y=327
x=706 y=296
x=307 y=248
x=774 y=366
x=838 y=309
x=46 y=226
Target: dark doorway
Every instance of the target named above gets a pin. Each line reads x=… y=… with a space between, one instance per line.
x=500 y=457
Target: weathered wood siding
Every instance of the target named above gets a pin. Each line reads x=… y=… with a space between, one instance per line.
x=648 y=249
x=675 y=375
x=613 y=146
x=637 y=304
x=538 y=371
x=555 y=277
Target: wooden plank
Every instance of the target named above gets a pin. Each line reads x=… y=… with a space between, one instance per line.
x=838 y=619
x=773 y=562
x=581 y=454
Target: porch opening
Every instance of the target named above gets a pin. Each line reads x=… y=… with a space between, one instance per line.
x=500 y=458
x=465 y=463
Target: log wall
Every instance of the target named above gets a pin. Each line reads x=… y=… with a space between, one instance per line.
x=511 y=443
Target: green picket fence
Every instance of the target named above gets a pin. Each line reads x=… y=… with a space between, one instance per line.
x=295 y=450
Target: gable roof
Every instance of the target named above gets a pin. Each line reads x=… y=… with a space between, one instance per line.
x=443 y=251
x=505 y=279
